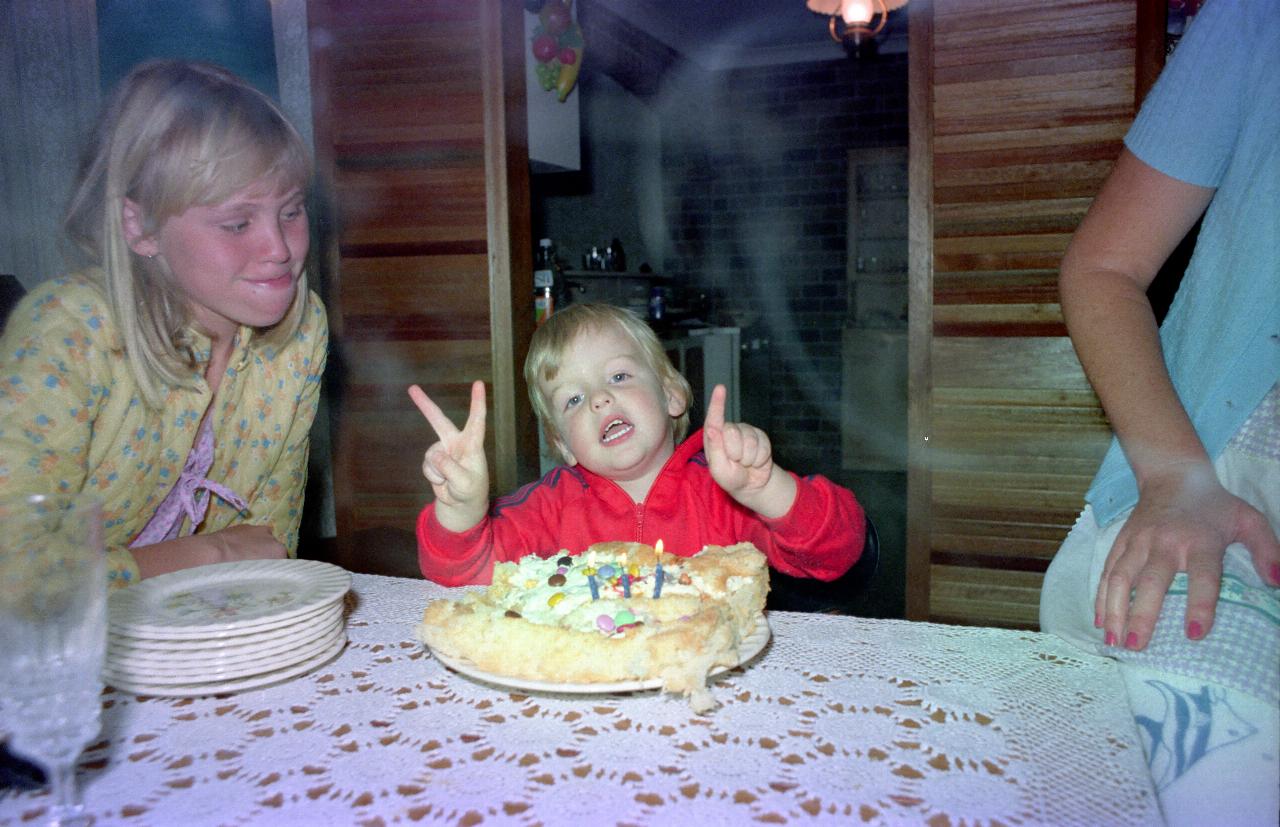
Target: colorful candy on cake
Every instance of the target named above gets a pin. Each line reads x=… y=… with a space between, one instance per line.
x=619 y=612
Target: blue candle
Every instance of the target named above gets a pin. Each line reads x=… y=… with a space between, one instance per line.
x=657 y=577
x=626 y=585
x=591 y=581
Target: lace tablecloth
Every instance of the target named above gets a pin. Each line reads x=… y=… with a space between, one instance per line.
x=841 y=720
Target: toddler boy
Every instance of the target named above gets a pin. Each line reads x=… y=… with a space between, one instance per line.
x=615 y=410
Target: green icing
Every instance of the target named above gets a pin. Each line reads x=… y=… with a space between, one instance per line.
x=532 y=594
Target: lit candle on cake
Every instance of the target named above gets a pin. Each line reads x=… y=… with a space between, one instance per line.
x=590 y=572
x=657 y=576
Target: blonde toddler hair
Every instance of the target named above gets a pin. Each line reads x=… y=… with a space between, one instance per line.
x=552 y=340
x=174 y=135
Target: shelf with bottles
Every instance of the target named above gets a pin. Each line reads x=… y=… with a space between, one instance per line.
x=629 y=290
x=614 y=274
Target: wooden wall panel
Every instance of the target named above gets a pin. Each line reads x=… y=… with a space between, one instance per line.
x=1025 y=110
x=423 y=159
x=960 y=594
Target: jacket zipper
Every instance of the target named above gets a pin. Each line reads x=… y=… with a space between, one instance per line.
x=639 y=507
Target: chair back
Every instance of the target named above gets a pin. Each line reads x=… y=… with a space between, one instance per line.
x=11 y=290
x=839 y=596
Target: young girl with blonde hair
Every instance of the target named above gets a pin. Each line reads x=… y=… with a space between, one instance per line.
x=176 y=379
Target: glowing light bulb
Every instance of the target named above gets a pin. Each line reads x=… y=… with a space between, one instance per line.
x=857 y=12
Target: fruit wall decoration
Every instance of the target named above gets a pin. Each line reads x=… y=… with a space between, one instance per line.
x=557 y=46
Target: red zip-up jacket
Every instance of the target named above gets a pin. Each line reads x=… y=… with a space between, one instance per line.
x=571 y=508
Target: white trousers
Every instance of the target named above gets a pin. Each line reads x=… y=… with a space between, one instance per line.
x=1207 y=710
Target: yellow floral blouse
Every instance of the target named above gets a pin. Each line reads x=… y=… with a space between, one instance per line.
x=71 y=419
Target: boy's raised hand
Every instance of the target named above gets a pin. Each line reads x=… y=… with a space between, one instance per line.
x=740 y=458
x=456 y=465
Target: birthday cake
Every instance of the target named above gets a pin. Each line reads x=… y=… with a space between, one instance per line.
x=619 y=612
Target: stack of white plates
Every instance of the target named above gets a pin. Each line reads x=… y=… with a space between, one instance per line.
x=225 y=627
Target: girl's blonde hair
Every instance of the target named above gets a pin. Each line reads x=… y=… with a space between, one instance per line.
x=552 y=340
x=174 y=135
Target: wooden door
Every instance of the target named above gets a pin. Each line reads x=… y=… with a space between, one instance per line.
x=1018 y=110
x=421 y=151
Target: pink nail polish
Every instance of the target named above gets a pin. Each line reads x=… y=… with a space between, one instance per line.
x=1131 y=642
x=1097 y=621
x=1110 y=639
x=1194 y=630
x=1275 y=574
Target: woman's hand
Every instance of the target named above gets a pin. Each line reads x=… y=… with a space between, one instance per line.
x=237 y=542
x=456 y=465
x=1184 y=521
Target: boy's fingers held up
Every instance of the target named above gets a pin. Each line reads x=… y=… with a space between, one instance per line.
x=756 y=450
x=453 y=481
x=436 y=456
x=731 y=438
x=439 y=422
x=718 y=458
x=750 y=446
x=715 y=408
x=712 y=443
x=476 y=418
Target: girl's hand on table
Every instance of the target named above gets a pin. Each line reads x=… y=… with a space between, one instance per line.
x=455 y=465
x=1184 y=521
x=237 y=542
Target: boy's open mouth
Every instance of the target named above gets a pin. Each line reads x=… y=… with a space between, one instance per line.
x=616 y=429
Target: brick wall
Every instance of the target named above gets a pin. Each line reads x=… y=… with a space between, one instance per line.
x=754 y=164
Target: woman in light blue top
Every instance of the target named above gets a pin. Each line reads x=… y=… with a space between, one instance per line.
x=1173 y=566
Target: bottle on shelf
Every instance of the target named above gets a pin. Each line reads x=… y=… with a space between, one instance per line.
x=614 y=258
x=544 y=282
x=658 y=308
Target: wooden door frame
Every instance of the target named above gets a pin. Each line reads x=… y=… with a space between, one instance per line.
x=919 y=303
x=510 y=248
x=497 y=82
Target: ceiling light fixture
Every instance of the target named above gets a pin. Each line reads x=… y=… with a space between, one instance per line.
x=852 y=20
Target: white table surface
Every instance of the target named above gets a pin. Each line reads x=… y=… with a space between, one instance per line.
x=841 y=720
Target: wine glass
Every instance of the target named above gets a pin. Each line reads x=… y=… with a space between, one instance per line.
x=53 y=636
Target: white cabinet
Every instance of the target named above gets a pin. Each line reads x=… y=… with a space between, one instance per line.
x=873 y=405
x=874 y=396
x=707 y=357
